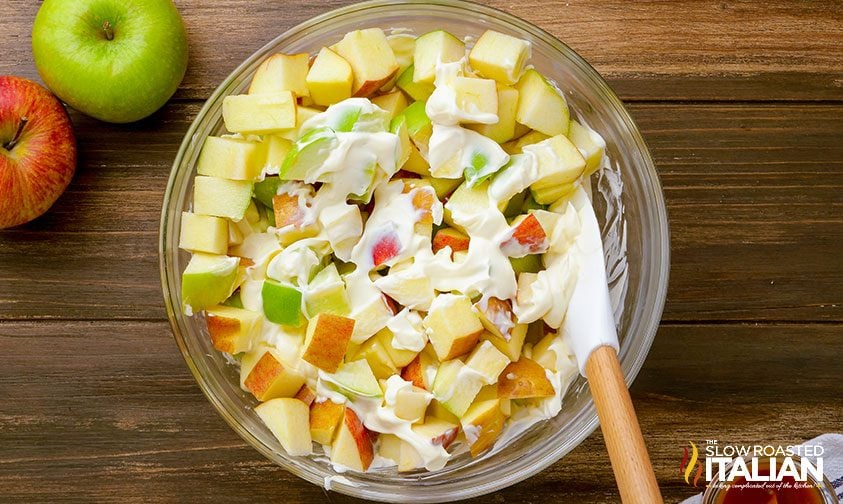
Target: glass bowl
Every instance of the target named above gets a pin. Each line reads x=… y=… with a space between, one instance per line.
x=627 y=198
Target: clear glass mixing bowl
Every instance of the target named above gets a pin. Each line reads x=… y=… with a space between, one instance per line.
x=628 y=200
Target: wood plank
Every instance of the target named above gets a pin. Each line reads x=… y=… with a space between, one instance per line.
x=685 y=50
x=754 y=194
x=106 y=411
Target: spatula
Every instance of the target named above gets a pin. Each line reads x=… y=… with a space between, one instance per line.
x=590 y=329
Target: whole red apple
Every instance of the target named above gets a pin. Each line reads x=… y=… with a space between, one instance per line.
x=37 y=150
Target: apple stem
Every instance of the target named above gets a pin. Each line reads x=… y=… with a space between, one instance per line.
x=109 y=31
x=11 y=145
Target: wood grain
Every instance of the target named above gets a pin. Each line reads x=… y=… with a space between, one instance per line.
x=107 y=411
x=684 y=50
x=747 y=187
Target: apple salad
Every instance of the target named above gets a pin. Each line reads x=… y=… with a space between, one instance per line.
x=383 y=244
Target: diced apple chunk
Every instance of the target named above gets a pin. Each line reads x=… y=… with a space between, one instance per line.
x=291 y=217
x=221 y=197
x=330 y=78
x=393 y=102
x=540 y=105
x=450 y=237
x=559 y=162
x=434 y=48
x=282 y=303
x=488 y=361
x=371 y=59
x=499 y=56
x=374 y=352
x=523 y=379
x=327 y=340
x=259 y=114
x=455 y=386
x=482 y=423
x=356 y=378
x=476 y=96
x=411 y=403
x=399 y=357
x=352 y=447
x=417 y=370
x=288 y=420
x=325 y=417
x=527 y=236
x=503 y=130
x=282 y=72
x=203 y=233
x=271 y=378
x=496 y=316
x=208 y=280
x=419 y=91
x=230 y=158
x=306 y=395
x=232 y=329
x=511 y=347
x=438 y=431
x=326 y=293
x=590 y=144
x=452 y=326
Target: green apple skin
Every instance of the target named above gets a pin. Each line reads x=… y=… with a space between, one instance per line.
x=122 y=79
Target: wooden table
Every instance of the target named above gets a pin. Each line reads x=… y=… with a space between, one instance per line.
x=742 y=106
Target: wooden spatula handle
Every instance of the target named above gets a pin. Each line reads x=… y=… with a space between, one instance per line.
x=627 y=451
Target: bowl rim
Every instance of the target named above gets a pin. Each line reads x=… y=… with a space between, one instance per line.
x=659 y=255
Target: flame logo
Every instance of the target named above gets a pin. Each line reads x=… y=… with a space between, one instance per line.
x=686 y=467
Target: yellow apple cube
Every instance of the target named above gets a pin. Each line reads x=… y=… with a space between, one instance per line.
x=482 y=424
x=504 y=129
x=282 y=72
x=590 y=144
x=330 y=78
x=270 y=377
x=393 y=102
x=558 y=161
x=371 y=58
x=288 y=420
x=511 y=347
x=540 y=105
x=411 y=403
x=398 y=356
x=455 y=387
x=499 y=56
x=352 y=447
x=325 y=417
x=326 y=341
x=476 y=96
x=230 y=158
x=203 y=233
x=452 y=325
x=259 y=114
x=221 y=197
x=231 y=329
x=378 y=358
x=433 y=48
x=488 y=361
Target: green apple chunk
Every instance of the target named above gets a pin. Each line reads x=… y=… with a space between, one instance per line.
x=528 y=264
x=419 y=126
x=540 y=105
x=590 y=144
x=113 y=60
x=420 y=91
x=221 y=197
x=266 y=189
x=455 y=387
x=356 y=378
x=208 y=280
x=308 y=153
x=433 y=48
x=326 y=293
x=259 y=114
x=281 y=303
x=230 y=158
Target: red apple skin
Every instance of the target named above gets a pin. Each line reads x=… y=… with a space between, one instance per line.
x=40 y=164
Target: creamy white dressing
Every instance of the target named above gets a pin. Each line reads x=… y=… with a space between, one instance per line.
x=452 y=149
x=407 y=330
x=442 y=106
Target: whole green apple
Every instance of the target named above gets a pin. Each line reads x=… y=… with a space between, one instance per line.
x=116 y=60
